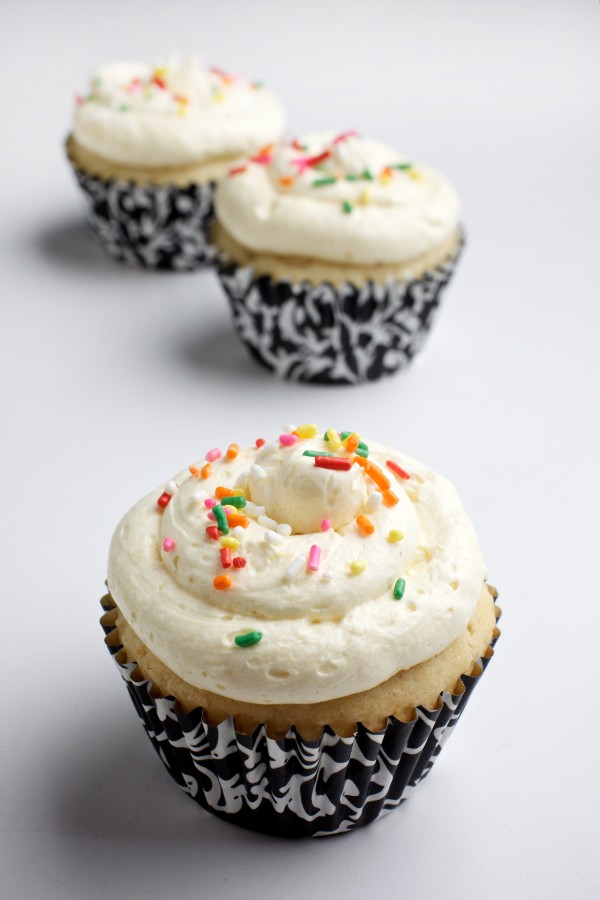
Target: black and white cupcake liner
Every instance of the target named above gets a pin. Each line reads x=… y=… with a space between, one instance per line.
x=147 y=225
x=329 y=334
x=292 y=787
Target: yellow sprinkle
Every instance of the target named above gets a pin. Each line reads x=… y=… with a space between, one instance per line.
x=365 y=197
x=307 y=431
x=231 y=542
x=218 y=96
x=358 y=566
x=182 y=111
x=454 y=585
x=385 y=179
x=416 y=176
x=394 y=536
x=335 y=442
x=160 y=72
x=238 y=492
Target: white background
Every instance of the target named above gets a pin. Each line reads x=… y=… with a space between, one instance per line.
x=114 y=379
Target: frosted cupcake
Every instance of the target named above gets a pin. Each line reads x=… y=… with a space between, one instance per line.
x=334 y=255
x=147 y=145
x=300 y=625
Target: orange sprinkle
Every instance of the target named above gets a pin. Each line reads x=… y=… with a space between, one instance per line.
x=222 y=582
x=206 y=470
x=236 y=519
x=286 y=182
x=195 y=471
x=379 y=477
x=352 y=441
x=389 y=498
x=365 y=524
x=264 y=151
x=221 y=492
x=232 y=451
x=374 y=472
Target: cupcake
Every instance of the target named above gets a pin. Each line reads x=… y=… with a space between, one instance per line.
x=299 y=625
x=149 y=142
x=334 y=251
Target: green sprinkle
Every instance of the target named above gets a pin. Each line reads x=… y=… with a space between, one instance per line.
x=352 y=177
x=221 y=519
x=399 y=589
x=238 y=502
x=248 y=639
x=317 y=453
x=347 y=206
x=321 y=182
x=367 y=175
x=360 y=451
x=402 y=166
x=123 y=107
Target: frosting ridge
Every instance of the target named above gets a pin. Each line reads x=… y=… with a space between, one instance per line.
x=389 y=583
x=174 y=114
x=339 y=198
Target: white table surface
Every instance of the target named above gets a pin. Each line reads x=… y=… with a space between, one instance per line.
x=113 y=379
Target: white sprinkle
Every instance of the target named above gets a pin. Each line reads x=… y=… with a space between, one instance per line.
x=289 y=428
x=294 y=568
x=271 y=537
x=198 y=495
x=258 y=471
x=239 y=531
x=327 y=576
x=374 y=501
x=267 y=521
x=171 y=487
x=242 y=479
x=284 y=529
x=253 y=509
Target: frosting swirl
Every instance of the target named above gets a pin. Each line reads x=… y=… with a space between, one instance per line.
x=313 y=577
x=174 y=114
x=343 y=199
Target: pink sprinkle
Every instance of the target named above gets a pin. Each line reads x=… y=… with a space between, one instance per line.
x=79 y=99
x=212 y=455
x=210 y=503
x=288 y=440
x=211 y=516
x=344 y=136
x=134 y=86
x=325 y=524
x=262 y=158
x=314 y=558
x=168 y=544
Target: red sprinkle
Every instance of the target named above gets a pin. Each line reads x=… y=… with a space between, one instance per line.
x=160 y=82
x=213 y=532
x=333 y=462
x=315 y=160
x=163 y=500
x=237 y=170
x=260 y=442
x=239 y=562
x=397 y=469
x=226 y=557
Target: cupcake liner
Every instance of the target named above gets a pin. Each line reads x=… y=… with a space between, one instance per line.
x=333 y=335
x=292 y=787
x=153 y=226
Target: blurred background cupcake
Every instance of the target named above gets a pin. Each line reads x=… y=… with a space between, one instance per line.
x=334 y=251
x=147 y=145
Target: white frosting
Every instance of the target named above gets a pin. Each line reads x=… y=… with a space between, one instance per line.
x=325 y=633
x=174 y=114
x=278 y=206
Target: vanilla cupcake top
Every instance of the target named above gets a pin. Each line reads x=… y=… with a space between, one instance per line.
x=337 y=198
x=296 y=571
x=174 y=114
